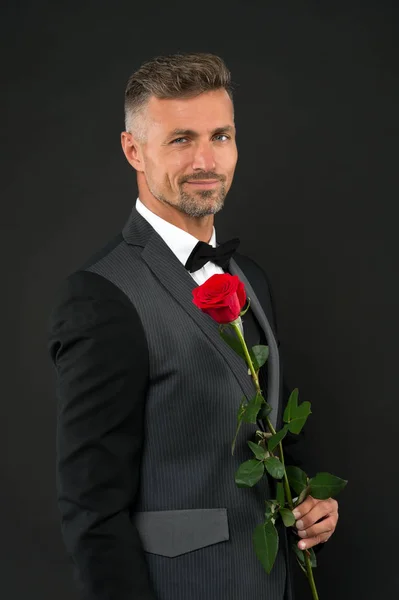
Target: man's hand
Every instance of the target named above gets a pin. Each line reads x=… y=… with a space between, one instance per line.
x=316 y=521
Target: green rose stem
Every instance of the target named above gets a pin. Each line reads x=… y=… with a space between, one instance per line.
x=269 y=424
x=287 y=489
x=311 y=580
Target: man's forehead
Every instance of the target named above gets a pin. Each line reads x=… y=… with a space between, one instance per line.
x=210 y=110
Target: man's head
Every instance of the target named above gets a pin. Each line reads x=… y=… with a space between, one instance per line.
x=180 y=132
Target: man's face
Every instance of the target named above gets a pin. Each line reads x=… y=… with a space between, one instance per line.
x=190 y=152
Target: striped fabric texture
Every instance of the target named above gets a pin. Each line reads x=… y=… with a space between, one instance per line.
x=195 y=524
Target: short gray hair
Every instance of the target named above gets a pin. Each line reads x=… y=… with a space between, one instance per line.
x=172 y=76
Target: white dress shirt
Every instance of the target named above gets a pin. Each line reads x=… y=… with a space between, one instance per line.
x=181 y=243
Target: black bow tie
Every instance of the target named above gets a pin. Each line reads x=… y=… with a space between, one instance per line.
x=203 y=252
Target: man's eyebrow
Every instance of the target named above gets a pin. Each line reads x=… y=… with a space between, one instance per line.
x=194 y=134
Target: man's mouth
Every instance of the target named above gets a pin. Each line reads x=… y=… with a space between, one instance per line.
x=204 y=183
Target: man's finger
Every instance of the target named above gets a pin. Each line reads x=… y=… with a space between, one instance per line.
x=313 y=541
x=305 y=506
x=318 y=511
x=325 y=526
x=310 y=502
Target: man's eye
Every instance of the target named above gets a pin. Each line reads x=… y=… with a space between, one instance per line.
x=219 y=135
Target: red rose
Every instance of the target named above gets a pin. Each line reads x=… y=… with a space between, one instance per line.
x=222 y=296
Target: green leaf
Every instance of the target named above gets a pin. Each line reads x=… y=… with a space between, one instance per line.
x=270 y=509
x=295 y=416
x=325 y=485
x=313 y=559
x=265 y=410
x=249 y=473
x=233 y=342
x=259 y=452
x=274 y=467
x=240 y=412
x=299 y=417
x=280 y=493
x=252 y=409
x=296 y=478
x=291 y=405
x=276 y=439
x=265 y=539
x=287 y=516
x=259 y=355
x=300 y=554
x=302 y=496
x=244 y=310
x=301 y=566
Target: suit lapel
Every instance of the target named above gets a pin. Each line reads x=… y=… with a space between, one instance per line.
x=180 y=284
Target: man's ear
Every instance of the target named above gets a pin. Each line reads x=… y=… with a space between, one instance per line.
x=132 y=151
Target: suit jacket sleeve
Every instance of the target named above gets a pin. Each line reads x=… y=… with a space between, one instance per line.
x=98 y=347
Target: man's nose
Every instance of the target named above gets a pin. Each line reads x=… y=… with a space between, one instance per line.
x=204 y=158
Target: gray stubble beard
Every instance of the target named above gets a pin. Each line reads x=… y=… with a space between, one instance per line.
x=188 y=204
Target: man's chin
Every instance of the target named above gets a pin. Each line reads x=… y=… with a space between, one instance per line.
x=195 y=209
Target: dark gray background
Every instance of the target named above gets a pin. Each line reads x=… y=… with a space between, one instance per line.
x=314 y=201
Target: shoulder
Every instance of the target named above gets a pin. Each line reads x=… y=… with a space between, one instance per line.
x=249 y=264
x=85 y=283
x=256 y=274
x=84 y=298
x=92 y=315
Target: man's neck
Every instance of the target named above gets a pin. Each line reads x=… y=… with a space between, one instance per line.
x=199 y=227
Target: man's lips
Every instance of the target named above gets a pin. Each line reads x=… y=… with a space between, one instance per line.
x=205 y=182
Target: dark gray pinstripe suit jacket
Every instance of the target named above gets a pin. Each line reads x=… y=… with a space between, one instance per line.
x=147 y=401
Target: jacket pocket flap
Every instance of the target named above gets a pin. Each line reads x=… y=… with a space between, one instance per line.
x=174 y=532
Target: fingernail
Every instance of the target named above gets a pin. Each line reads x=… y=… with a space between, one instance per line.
x=296 y=514
x=302 y=545
x=302 y=533
x=299 y=524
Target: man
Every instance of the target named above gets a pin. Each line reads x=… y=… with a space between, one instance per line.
x=148 y=391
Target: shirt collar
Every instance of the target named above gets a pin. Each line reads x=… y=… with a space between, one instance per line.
x=179 y=241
